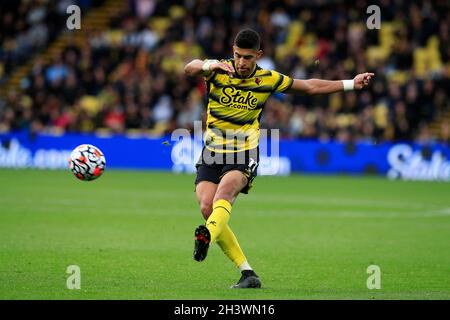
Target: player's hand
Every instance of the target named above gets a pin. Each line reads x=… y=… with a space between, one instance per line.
x=362 y=80
x=221 y=67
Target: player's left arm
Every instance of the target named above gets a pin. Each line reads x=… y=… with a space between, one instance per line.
x=319 y=86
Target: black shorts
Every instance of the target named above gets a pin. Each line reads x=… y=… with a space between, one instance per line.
x=212 y=166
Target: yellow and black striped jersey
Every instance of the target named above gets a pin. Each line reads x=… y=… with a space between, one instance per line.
x=235 y=105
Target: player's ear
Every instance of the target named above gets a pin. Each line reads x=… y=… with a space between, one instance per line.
x=259 y=54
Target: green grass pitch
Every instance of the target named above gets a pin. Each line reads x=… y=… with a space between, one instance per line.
x=308 y=237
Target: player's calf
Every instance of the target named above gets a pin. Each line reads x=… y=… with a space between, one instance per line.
x=206 y=209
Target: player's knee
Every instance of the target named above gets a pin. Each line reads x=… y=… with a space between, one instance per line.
x=206 y=209
x=225 y=195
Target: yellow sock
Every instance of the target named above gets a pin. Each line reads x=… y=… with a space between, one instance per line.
x=218 y=218
x=230 y=246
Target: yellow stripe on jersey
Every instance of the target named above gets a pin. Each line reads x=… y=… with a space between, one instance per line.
x=235 y=106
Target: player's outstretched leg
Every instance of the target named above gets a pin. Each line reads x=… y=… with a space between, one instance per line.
x=201 y=243
x=229 y=244
x=249 y=279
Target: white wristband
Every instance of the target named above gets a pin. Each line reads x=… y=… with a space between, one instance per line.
x=348 y=85
x=206 y=66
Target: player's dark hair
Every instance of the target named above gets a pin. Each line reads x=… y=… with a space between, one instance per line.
x=248 y=39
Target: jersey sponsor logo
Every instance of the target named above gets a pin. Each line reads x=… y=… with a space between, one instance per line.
x=233 y=98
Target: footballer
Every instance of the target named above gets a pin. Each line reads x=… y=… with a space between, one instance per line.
x=237 y=91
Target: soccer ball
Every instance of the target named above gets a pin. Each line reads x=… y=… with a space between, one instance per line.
x=87 y=162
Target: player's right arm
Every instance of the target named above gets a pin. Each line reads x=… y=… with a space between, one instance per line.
x=206 y=67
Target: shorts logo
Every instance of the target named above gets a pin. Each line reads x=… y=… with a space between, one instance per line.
x=252 y=165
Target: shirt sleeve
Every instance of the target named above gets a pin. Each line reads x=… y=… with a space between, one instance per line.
x=212 y=74
x=281 y=82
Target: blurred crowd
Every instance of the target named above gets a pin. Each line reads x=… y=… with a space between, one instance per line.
x=129 y=78
x=27 y=27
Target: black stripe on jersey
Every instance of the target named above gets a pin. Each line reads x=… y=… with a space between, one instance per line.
x=240 y=136
x=229 y=119
x=260 y=105
x=217 y=84
x=279 y=81
x=208 y=84
x=208 y=87
x=260 y=89
x=291 y=81
x=213 y=127
x=212 y=78
x=214 y=97
x=266 y=74
x=223 y=146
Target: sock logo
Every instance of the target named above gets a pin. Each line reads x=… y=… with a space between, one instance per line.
x=213 y=223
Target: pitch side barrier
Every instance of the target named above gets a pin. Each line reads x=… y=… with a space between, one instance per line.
x=394 y=160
